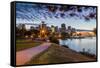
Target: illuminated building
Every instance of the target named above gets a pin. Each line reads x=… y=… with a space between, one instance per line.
x=43 y=30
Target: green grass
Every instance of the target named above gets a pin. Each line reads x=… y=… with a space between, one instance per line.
x=53 y=55
x=58 y=54
x=23 y=40
x=25 y=44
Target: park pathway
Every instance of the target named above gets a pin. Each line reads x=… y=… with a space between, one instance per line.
x=25 y=55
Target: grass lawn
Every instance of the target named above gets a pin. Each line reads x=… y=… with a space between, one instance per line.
x=25 y=44
x=58 y=54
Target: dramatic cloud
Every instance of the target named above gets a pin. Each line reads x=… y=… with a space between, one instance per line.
x=33 y=12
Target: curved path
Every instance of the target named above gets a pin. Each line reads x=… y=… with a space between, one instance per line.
x=25 y=55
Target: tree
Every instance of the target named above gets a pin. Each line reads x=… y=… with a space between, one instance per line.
x=53 y=39
x=20 y=30
x=95 y=30
x=63 y=35
x=23 y=30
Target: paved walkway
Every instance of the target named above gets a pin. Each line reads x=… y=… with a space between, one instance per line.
x=25 y=55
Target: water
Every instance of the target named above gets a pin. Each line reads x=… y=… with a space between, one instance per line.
x=89 y=44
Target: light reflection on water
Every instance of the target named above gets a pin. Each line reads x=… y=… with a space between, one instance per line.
x=89 y=44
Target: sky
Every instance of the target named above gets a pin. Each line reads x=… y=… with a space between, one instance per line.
x=79 y=17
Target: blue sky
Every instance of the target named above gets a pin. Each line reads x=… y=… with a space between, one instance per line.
x=75 y=16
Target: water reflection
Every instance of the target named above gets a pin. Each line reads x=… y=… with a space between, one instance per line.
x=85 y=44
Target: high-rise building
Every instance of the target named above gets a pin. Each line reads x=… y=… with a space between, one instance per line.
x=52 y=29
x=56 y=29
x=63 y=27
x=69 y=27
x=43 y=30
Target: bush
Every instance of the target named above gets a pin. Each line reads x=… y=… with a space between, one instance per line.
x=54 y=40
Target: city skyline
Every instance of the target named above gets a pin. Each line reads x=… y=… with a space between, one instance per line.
x=28 y=13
